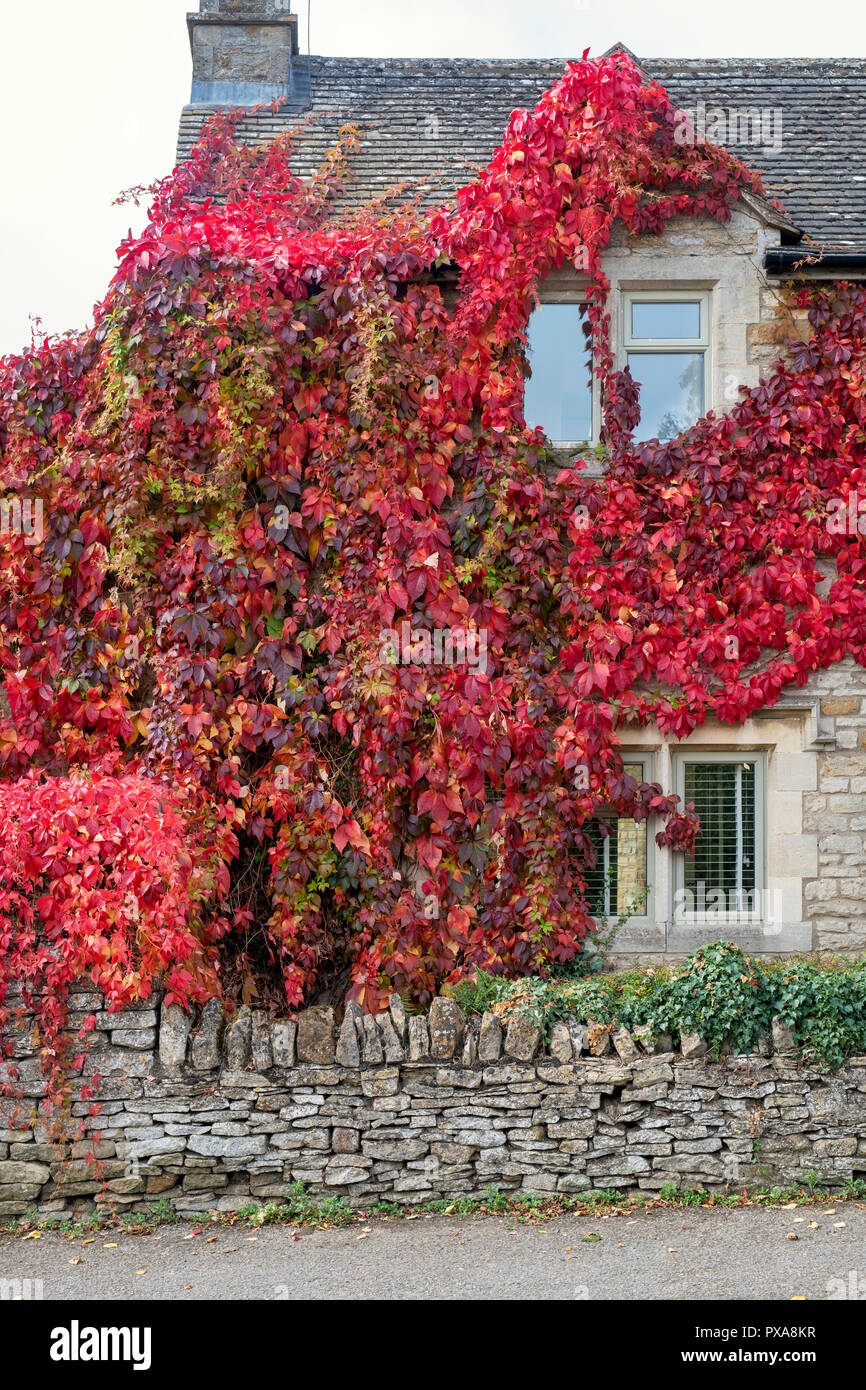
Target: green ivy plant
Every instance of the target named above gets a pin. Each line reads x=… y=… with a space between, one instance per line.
x=720 y=992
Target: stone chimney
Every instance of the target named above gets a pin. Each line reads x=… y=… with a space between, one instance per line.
x=245 y=52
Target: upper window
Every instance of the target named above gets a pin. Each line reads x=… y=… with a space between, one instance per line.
x=666 y=340
x=723 y=876
x=559 y=392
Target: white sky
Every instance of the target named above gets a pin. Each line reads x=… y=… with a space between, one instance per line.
x=91 y=92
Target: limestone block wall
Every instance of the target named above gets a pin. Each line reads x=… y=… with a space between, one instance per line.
x=835 y=813
x=219 y=1116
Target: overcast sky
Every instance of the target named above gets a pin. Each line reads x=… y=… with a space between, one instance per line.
x=91 y=92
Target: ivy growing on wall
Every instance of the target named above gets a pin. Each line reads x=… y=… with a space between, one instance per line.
x=278 y=445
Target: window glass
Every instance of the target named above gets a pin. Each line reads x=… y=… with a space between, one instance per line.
x=559 y=392
x=672 y=318
x=671 y=391
x=724 y=858
x=619 y=878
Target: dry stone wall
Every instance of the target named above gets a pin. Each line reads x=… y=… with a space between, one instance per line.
x=209 y=1114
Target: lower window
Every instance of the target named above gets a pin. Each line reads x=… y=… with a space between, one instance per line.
x=723 y=876
x=619 y=880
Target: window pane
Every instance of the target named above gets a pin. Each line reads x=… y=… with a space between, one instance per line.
x=672 y=391
x=601 y=882
x=559 y=392
x=672 y=318
x=724 y=858
x=619 y=877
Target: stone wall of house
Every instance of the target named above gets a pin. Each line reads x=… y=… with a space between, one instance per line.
x=835 y=812
x=780 y=324
x=209 y=1115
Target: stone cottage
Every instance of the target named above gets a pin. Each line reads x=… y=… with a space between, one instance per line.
x=780 y=865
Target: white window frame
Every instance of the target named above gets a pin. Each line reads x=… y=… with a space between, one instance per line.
x=714 y=916
x=701 y=345
x=578 y=296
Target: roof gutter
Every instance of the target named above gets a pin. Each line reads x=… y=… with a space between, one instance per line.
x=785 y=260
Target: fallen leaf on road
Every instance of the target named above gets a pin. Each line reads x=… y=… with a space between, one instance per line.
x=838 y=1225
x=211 y=1239
x=672 y=1250
x=187 y=1286
x=77 y=1261
x=789 y=1206
x=798 y=1298
x=110 y=1245
x=831 y=1212
x=89 y=1240
x=592 y=1236
x=141 y=1271
x=34 y=1235
x=792 y=1235
x=813 y=1225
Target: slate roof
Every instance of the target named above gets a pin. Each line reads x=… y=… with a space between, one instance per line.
x=434 y=122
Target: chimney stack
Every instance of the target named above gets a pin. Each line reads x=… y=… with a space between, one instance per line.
x=245 y=52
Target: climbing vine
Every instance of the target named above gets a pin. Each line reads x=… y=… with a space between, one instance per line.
x=280 y=445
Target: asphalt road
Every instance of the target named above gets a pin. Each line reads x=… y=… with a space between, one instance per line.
x=684 y=1254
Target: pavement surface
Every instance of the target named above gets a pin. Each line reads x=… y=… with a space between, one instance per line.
x=684 y=1255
